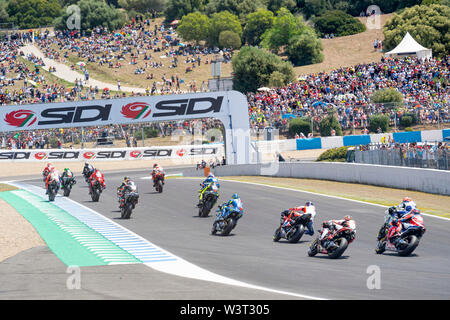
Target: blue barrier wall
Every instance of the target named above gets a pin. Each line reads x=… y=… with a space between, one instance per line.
x=400 y=137
x=311 y=143
x=407 y=137
x=356 y=140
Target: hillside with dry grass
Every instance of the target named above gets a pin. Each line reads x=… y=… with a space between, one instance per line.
x=348 y=50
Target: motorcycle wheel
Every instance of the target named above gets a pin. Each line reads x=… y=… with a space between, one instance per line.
x=413 y=242
x=342 y=245
x=213 y=230
x=67 y=192
x=206 y=208
x=312 y=251
x=159 y=186
x=127 y=211
x=51 y=194
x=297 y=234
x=95 y=195
x=381 y=247
x=277 y=235
x=230 y=226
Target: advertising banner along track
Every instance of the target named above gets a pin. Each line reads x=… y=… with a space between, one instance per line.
x=173 y=153
x=230 y=107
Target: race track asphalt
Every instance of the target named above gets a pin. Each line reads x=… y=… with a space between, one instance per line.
x=170 y=221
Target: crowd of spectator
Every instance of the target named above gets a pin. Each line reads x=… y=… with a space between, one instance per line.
x=435 y=155
x=423 y=84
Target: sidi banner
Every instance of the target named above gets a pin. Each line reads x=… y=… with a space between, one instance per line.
x=172 y=152
x=106 y=112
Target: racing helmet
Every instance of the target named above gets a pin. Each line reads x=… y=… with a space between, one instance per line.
x=66 y=169
x=348 y=218
x=126 y=179
x=235 y=196
x=409 y=206
x=309 y=204
x=406 y=199
x=155 y=165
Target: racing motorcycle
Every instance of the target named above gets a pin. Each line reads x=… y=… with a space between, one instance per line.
x=52 y=189
x=96 y=186
x=412 y=230
x=225 y=221
x=207 y=199
x=292 y=229
x=67 y=184
x=338 y=242
x=129 y=201
x=159 y=181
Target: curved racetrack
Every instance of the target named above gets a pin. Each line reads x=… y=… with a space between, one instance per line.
x=170 y=221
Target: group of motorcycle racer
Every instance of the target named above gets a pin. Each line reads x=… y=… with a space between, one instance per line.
x=397 y=214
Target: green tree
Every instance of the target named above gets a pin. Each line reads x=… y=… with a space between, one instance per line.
x=428 y=24
x=378 y=121
x=305 y=48
x=143 y=6
x=275 y=5
x=240 y=8
x=229 y=39
x=176 y=9
x=389 y=95
x=284 y=28
x=194 y=27
x=300 y=125
x=328 y=124
x=253 y=67
x=223 y=21
x=339 y=23
x=257 y=23
x=33 y=13
x=94 y=13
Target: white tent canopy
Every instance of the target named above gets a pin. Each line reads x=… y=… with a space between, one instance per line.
x=408 y=47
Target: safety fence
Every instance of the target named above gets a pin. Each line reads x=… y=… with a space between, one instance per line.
x=431 y=158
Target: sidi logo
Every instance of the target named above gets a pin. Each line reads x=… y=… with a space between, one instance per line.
x=41 y=155
x=136 y=154
x=136 y=110
x=181 y=152
x=89 y=155
x=75 y=114
x=196 y=106
x=21 y=118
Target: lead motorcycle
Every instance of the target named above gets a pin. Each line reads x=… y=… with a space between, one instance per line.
x=339 y=241
x=225 y=221
x=412 y=230
x=207 y=199
x=159 y=181
x=129 y=201
x=292 y=229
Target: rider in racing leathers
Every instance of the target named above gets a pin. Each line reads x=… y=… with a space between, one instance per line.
x=233 y=205
x=155 y=170
x=93 y=177
x=210 y=179
x=88 y=170
x=297 y=212
x=127 y=185
x=398 y=214
x=49 y=168
x=330 y=226
x=53 y=175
